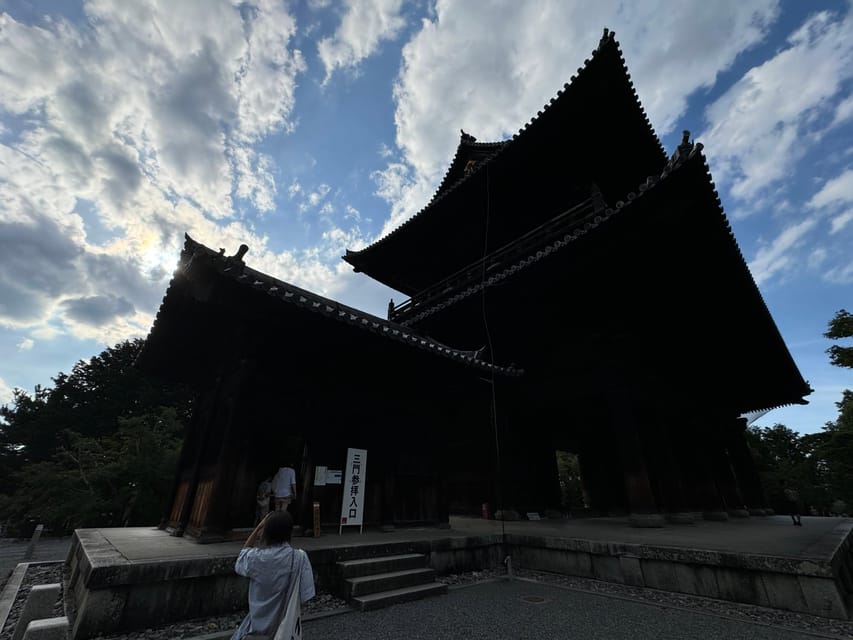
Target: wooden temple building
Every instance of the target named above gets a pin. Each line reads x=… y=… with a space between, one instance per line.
x=572 y=288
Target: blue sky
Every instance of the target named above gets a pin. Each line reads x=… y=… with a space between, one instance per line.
x=306 y=128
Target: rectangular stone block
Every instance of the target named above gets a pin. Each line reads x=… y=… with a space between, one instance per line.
x=697 y=580
x=741 y=585
x=607 y=568
x=47 y=629
x=37 y=606
x=659 y=574
x=784 y=592
x=632 y=572
x=822 y=597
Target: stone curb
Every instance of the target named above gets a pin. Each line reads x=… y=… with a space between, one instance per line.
x=10 y=591
x=13 y=586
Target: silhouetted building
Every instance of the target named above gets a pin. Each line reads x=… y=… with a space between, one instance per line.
x=572 y=288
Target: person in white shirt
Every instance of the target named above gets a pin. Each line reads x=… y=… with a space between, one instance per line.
x=270 y=570
x=284 y=488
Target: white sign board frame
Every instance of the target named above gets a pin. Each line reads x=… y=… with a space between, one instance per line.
x=352 y=500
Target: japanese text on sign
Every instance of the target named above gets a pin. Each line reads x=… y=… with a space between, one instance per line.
x=355 y=475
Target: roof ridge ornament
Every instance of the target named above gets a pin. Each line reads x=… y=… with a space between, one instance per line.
x=681 y=153
x=467 y=137
x=606 y=37
x=235 y=263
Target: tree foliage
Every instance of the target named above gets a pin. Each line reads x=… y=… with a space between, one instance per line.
x=97 y=449
x=819 y=464
x=841 y=326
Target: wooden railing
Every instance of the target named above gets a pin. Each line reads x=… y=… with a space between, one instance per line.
x=508 y=254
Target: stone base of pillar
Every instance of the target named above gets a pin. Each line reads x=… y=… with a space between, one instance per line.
x=757 y=512
x=680 y=517
x=646 y=520
x=720 y=516
x=738 y=513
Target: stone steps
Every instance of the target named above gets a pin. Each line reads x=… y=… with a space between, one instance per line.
x=366 y=585
x=382 y=564
x=373 y=583
x=396 y=596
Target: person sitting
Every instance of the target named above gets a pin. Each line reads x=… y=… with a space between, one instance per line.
x=270 y=570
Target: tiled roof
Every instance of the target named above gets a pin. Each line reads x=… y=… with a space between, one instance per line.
x=469 y=154
x=234 y=268
x=579 y=226
x=449 y=185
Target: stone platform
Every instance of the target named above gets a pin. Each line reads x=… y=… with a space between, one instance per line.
x=123 y=579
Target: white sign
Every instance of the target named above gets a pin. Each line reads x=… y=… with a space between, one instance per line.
x=319 y=476
x=333 y=476
x=352 y=503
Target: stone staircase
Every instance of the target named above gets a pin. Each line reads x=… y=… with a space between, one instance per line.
x=373 y=583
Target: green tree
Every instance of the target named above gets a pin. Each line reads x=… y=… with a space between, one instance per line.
x=96 y=449
x=116 y=480
x=784 y=457
x=836 y=450
x=841 y=326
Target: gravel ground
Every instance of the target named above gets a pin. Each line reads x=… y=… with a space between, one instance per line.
x=744 y=612
x=325 y=603
x=35 y=575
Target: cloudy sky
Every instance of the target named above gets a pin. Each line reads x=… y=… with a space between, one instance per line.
x=304 y=128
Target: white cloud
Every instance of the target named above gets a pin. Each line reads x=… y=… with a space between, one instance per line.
x=487 y=67
x=779 y=255
x=843 y=111
x=840 y=221
x=757 y=128
x=841 y=274
x=294 y=188
x=26 y=344
x=835 y=191
x=151 y=113
x=6 y=392
x=364 y=25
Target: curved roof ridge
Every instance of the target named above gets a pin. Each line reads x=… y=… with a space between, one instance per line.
x=608 y=40
x=237 y=269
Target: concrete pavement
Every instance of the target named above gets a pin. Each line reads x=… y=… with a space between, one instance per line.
x=522 y=609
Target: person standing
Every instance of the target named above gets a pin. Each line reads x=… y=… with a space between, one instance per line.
x=263 y=499
x=284 y=488
x=271 y=569
x=794 y=505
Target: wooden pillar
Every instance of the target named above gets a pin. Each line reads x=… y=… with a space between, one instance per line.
x=210 y=516
x=643 y=509
x=660 y=438
x=206 y=412
x=743 y=465
x=724 y=477
x=594 y=480
x=701 y=492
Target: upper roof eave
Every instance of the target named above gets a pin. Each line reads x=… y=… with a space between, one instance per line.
x=608 y=41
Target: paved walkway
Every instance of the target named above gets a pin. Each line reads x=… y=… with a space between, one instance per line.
x=773 y=536
x=521 y=609
x=13 y=550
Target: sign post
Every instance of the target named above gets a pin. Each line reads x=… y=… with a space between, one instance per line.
x=352 y=502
